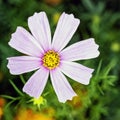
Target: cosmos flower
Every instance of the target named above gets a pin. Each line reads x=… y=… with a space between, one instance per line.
x=51 y=57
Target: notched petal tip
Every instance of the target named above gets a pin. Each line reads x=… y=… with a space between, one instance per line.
x=92 y=39
x=17 y=31
x=37 y=13
x=96 y=46
x=9 y=58
x=65 y=100
x=8 y=66
x=10 y=42
x=76 y=20
x=91 y=70
x=12 y=72
x=88 y=81
x=63 y=13
x=98 y=53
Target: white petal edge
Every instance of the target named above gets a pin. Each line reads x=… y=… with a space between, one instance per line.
x=61 y=86
x=85 y=49
x=65 y=29
x=36 y=84
x=24 y=42
x=39 y=26
x=23 y=64
x=76 y=72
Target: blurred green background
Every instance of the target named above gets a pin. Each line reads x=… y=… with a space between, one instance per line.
x=100 y=100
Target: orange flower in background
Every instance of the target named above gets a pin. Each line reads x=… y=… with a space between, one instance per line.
x=2 y=103
x=1 y=113
x=29 y=114
x=76 y=102
x=49 y=111
x=53 y=2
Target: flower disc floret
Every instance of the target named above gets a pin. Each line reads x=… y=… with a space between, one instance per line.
x=51 y=59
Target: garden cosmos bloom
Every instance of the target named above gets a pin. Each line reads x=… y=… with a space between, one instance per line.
x=50 y=57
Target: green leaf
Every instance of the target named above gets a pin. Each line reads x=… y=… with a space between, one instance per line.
x=100 y=89
x=9 y=103
x=99 y=67
x=109 y=67
x=15 y=87
x=8 y=97
x=22 y=79
x=89 y=5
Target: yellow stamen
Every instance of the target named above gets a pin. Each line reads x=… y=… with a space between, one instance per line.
x=51 y=59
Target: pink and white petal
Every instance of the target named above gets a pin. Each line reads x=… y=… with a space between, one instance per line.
x=24 y=42
x=65 y=29
x=23 y=64
x=36 y=84
x=76 y=71
x=61 y=86
x=39 y=26
x=85 y=49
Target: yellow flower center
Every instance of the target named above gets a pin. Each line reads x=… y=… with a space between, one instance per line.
x=51 y=59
